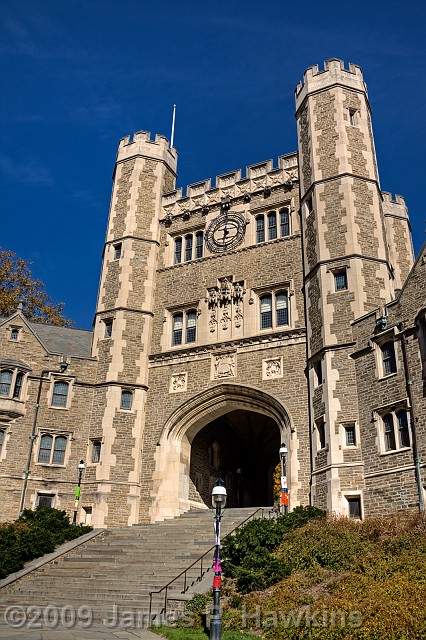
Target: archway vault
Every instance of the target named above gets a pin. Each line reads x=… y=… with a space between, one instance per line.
x=194 y=414
x=171 y=482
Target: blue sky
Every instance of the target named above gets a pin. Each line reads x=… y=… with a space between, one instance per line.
x=77 y=76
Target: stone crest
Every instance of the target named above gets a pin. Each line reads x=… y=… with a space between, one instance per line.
x=178 y=382
x=224 y=366
x=272 y=368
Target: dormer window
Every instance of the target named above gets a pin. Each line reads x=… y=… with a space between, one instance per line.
x=14 y=334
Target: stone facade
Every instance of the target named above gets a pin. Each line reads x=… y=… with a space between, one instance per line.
x=279 y=306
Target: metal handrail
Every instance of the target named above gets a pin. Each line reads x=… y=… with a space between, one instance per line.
x=200 y=577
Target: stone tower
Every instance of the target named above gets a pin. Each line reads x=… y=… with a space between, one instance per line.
x=347 y=270
x=144 y=170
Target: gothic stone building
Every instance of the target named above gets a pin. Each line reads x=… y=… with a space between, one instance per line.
x=283 y=305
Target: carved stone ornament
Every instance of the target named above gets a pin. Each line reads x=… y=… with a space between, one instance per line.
x=212 y=298
x=225 y=319
x=272 y=368
x=225 y=303
x=224 y=365
x=178 y=382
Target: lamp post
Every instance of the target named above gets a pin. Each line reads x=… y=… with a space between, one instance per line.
x=80 y=468
x=218 y=502
x=284 y=488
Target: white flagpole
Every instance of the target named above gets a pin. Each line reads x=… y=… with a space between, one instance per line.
x=173 y=126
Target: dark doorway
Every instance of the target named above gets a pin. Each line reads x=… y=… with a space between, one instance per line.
x=242 y=448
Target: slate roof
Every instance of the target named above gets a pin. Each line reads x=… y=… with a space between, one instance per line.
x=73 y=342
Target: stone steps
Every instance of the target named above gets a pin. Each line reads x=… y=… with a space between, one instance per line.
x=123 y=566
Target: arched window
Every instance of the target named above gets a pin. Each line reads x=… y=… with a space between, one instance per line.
x=178 y=251
x=260 y=229
x=188 y=248
x=389 y=433
x=59 y=450
x=199 y=244
x=191 y=326
x=18 y=385
x=177 y=329
x=266 y=312
x=404 y=436
x=126 y=400
x=281 y=308
x=284 y=223
x=60 y=394
x=272 y=225
x=388 y=358
x=46 y=442
x=5 y=382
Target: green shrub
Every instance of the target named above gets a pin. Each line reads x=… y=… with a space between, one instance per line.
x=265 y=534
x=10 y=558
x=34 y=534
x=259 y=570
x=247 y=554
x=335 y=545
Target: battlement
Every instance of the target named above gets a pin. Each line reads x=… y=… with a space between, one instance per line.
x=394 y=206
x=258 y=177
x=142 y=145
x=334 y=72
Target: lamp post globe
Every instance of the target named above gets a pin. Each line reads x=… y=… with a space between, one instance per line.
x=218 y=503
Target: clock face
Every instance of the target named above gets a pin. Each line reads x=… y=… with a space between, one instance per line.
x=225 y=232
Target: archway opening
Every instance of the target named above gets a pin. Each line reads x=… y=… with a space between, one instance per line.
x=241 y=447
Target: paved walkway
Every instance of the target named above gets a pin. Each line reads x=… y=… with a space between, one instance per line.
x=94 y=633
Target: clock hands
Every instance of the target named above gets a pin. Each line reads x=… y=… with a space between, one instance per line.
x=225 y=232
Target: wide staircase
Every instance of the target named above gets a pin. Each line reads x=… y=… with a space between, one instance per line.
x=113 y=575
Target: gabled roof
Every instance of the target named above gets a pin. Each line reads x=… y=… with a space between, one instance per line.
x=60 y=340
x=73 y=342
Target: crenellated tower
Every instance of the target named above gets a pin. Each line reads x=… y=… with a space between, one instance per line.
x=398 y=233
x=347 y=270
x=144 y=171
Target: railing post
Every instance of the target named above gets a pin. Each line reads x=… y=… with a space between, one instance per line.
x=165 y=603
x=184 y=582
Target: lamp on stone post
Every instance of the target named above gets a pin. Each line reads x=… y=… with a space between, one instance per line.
x=80 y=468
x=284 y=488
x=218 y=502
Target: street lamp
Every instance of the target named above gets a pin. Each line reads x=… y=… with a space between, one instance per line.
x=218 y=502
x=284 y=488
x=80 y=468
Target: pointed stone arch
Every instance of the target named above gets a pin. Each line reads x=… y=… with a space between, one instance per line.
x=170 y=490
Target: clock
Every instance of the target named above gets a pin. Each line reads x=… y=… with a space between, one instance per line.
x=225 y=232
